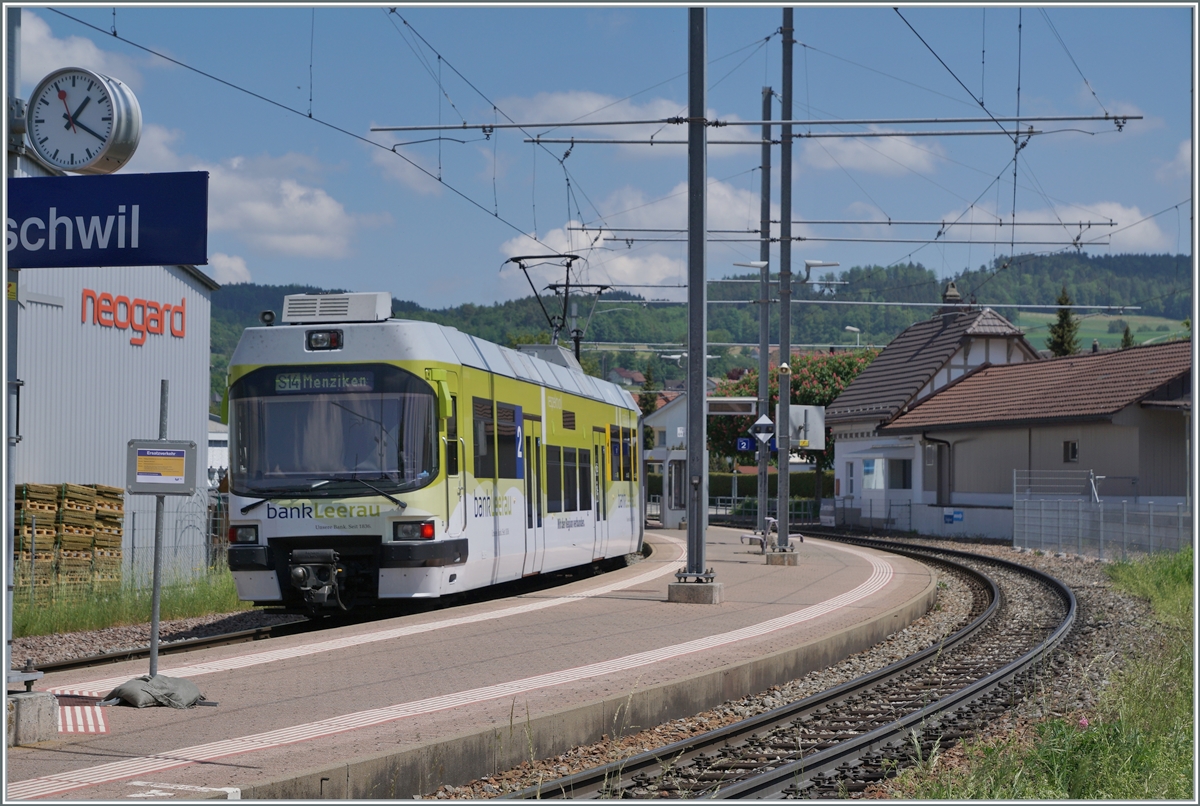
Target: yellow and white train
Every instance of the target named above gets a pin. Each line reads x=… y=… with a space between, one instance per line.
x=376 y=459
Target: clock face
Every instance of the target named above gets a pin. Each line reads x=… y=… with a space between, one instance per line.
x=83 y=122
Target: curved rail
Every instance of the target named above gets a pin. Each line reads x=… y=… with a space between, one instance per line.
x=783 y=778
x=923 y=726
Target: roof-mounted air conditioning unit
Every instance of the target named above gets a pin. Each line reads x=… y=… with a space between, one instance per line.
x=303 y=309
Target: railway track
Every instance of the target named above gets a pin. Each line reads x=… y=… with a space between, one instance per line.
x=839 y=742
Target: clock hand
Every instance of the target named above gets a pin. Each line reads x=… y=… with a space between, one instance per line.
x=62 y=96
x=89 y=131
x=80 y=109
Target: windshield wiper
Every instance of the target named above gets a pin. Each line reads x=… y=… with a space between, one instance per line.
x=281 y=494
x=388 y=496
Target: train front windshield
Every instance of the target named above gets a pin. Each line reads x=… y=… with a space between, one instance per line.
x=304 y=429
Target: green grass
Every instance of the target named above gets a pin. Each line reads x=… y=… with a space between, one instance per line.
x=1139 y=743
x=75 y=608
x=1144 y=329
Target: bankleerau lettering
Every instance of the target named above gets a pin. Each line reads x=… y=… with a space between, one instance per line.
x=321 y=511
x=142 y=316
x=56 y=231
x=485 y=509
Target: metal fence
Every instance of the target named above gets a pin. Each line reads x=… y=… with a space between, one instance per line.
x=801 y=510
x=1103 y=529
x=1078 y=512
x=193 y=540
x=870 y=514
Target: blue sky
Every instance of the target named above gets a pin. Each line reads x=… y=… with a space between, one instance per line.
x=327 y=201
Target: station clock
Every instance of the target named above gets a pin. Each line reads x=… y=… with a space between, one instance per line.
x=83 y=122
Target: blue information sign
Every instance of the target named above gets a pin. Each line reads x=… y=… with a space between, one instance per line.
x=112 y=220
x=750 y=444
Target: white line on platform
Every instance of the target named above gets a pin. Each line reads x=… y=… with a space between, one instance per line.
x=100 y=688
x=881 y=574
x=231 y=792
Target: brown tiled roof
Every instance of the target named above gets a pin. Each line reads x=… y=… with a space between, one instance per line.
x=1089 y=386
x=903 y=367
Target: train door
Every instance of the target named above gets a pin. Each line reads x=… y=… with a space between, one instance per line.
x=600 y=490
x=455 y=456
x=535 y=530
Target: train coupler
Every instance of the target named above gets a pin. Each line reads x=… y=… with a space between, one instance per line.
x=315 y=573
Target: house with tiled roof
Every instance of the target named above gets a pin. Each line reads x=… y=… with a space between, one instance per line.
x=879 y=477
x=626 y=377
x=1120 y=415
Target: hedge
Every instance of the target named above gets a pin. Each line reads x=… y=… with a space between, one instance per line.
x=720 y=485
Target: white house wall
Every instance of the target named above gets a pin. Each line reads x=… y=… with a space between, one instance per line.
x=973 y=354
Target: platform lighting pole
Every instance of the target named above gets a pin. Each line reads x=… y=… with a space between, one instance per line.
x=785 y=282
x=697 y=432
x=14 y=142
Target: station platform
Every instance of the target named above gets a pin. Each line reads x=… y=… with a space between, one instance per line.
x=396 y=708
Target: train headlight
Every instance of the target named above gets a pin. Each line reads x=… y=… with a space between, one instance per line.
x=324 y=339
x=243 y=534
x=412 y=530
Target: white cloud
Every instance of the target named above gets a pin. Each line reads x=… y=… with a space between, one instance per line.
x=1128 y=233
x=588 y=107
x=613 y=260
x=42 y=53
x=228 y=269
x=1178 y=168
x=888 y=156
x=269 y=203
x=1132 y=234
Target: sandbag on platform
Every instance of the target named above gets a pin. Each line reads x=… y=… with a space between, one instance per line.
x=144 y=691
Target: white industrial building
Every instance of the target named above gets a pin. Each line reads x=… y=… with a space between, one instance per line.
x=93 y=346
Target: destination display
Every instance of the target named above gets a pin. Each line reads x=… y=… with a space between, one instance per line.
x=294 y=383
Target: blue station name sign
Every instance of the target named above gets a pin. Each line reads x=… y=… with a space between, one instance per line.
x=115 y=220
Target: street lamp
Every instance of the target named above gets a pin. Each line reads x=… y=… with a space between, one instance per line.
x=764 y=336
x=782 y=441
x=855 y=331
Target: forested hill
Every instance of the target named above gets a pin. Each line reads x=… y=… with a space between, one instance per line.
x=1161 y=285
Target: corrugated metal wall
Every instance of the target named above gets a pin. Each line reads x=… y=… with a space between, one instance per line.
x=88 y=391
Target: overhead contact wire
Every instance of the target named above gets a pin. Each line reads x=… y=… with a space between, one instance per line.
x=294 y=111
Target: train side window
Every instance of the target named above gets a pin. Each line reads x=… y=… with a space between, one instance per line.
x=554 y=502
x=507 y=447
x=585 y=480
x=529 y=484
x=485 y=432
x=626 y=455
x=570 y=481
x=452 y=438
x=614 y=436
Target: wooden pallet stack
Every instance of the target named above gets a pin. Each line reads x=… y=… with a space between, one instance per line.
x=35 y=535
x=68 y=535
x=109 y=532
